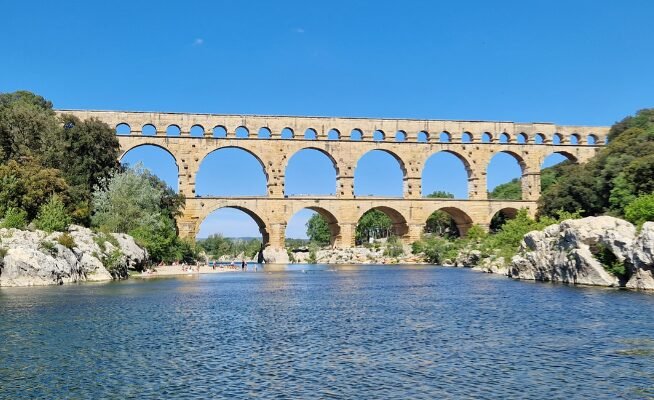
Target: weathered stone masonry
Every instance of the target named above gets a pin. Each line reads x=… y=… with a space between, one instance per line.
x=529 y=143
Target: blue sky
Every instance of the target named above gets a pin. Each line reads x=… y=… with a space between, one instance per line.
x=568 y=62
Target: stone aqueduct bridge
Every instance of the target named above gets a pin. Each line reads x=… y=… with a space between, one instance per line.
x=411 y=142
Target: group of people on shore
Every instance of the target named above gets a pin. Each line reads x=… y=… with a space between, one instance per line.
x=233 y=265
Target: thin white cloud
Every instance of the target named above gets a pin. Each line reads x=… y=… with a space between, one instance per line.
x=198 y=42
x=298 y=30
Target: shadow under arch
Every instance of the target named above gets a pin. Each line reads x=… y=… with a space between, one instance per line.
x=500 y=217
x=461 y=219
x=204 y=158
x=399 y=227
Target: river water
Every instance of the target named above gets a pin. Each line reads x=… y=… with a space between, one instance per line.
x=364 y=332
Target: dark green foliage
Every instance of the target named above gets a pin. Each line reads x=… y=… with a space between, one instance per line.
x=14 y=218
x=78 y=153
x=609 y=261
x=436 y=249
x=87 y=153
x=619 y=173
x=373 y=224
x=440 y=194
x=511 y=190
x=28 y=186
x=66 y=240
x=48 y=247
x=3 y=253
x=318 y=230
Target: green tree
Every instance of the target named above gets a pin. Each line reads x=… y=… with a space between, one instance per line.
x=440 y=194
x=53 y=216
x=14 y=218
x=28 y=186
x=373 y=224
x=511 y=190
x=318 y=230
x=87 y=154
x=641 y=209
x=133 y=202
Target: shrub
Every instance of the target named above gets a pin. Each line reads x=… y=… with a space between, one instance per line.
x=48 y=247
x=3 y=252
x=609 y=261
x=640 y=210
x=53 y=216
x=393 y=247
x=66 y=240
x=436 y=249
x=15 y=218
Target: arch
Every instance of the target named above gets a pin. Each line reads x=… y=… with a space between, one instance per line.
x=242 y=132
x=400 y=136
x=356 y=134
x=326 y=215
x=261 y=224
x=219 y=131
x=504 y=138
x=249 y=179
x=445 y=137
x=333 y=134
x=123 y=129
x=422 y=137
x=173 y=130
x=539 y=138
x=197 y=130
x=287 y=133
x=398 y=224
x=378 y=135
x=376 y=180
x=148 y=130
x=317 y=176
x=503 y=180
x=551 y=165
x=522 y=138
x=557 y=138
x=264 y=133
x=310 y=134
x=591 y=139
x=574 y=139
x=486 y=137
x=157 y=159
x=500 y=217
x=466 y=137
x=447 y=171
x=460 y=221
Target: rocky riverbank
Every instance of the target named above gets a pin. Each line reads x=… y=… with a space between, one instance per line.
x=598 y=251
x=34 y=258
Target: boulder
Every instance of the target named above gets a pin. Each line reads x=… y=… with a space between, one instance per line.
x=37 y=258
x=570 y=252
x=275 y=256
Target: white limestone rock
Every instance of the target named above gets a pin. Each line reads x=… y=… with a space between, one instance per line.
x=565 y=252
x=275 y=256
x=36 y=258
x=642 y=259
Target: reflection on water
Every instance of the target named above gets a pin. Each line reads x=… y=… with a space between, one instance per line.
x=327 y=332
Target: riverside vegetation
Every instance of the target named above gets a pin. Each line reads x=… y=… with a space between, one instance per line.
x=58 y=171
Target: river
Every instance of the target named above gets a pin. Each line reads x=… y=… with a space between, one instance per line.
x=359 y=332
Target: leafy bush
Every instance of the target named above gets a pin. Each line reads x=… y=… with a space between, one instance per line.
x=640 y=210
x=609 y=261
x=53 y=216
x=3 y=252
x=113 y=263
x=437 y=249
x=66 y=240
x=393 y=247
x=15 y=218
